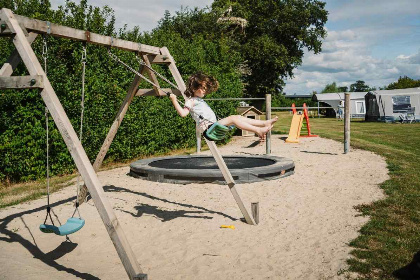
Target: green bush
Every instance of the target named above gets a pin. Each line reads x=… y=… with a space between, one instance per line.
x=151 y=124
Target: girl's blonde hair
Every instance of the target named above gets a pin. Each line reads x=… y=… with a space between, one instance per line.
x=198 y=80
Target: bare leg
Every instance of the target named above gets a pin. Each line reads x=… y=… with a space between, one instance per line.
x=244 y=124
x=255 y=122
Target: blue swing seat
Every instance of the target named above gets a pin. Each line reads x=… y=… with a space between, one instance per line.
x=217 y=131
x=71 y=226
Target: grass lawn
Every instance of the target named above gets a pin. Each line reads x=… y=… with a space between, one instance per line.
x=392 y=236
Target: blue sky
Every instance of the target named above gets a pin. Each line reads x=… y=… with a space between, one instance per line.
x=372 y=40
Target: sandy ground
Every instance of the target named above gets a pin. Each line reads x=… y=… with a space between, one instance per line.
x=306 y=222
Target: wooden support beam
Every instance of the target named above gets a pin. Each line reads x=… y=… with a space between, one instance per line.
x=151 y=92
x=229 y=180
x=56 y=30
x=174 y=71
x=77 y=152
x=152 y=75
x=159 y=59
x=118 y=119
x=14 y=59
x=5 y=31
x=21 y=82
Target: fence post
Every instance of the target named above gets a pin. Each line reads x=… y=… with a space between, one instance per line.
x=198 y=138
x=347 y=123
x=268 y=117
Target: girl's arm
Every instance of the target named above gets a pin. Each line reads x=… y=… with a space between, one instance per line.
x=181 y=111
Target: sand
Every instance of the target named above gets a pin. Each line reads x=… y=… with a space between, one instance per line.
x=306 y=222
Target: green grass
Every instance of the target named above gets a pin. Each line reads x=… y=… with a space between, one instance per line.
x=392 y=235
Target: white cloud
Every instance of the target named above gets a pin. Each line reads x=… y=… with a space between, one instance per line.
x=348 y=58
x=142 y=13
x=374 y=41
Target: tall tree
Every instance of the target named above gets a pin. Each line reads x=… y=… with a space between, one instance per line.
x=404 y=82
x=275 y=37
x=330 y=88
x=359 y=86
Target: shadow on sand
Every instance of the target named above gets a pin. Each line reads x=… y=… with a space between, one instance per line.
x=411 y=271
x=166 y=215
x=47 y=258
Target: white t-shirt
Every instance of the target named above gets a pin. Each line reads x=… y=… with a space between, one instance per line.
x=198 y=107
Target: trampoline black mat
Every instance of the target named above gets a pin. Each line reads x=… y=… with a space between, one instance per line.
x=210 y=163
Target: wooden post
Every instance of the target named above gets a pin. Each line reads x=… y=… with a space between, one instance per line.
x=268 y=117
x=77 y=152
x=347 y=123
x=229 y=180
x=121 y=113
x=255 y=212
x=198 y=138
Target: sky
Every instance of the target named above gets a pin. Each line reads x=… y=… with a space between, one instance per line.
x=376 y=41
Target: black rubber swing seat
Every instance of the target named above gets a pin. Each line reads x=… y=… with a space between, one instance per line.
x=71 y=226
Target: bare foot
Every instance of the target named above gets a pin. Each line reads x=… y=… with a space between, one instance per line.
x=262 y=131
x=270 y=122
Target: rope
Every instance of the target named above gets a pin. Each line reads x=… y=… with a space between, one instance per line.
x=82 y=105
x=48 y=156
x=45 y=56
x=117 y=59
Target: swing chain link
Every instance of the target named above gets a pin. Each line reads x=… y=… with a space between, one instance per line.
x=117 y=59
x=45 y=52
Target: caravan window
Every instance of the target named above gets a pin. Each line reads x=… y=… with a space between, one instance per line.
x=401 y=103
x=360 y=107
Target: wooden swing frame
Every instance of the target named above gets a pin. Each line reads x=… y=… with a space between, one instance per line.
x=24 y=31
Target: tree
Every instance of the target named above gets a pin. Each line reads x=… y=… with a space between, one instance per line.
x=275 y=37
x=342 y=89
x=331 y=88
x=359 y=86
x=404 y=82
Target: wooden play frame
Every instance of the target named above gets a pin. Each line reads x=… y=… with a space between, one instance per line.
x=24 y=31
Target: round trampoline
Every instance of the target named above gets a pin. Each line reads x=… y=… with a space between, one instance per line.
x=204 y=169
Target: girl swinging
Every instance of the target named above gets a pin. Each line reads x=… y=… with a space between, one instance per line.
x=198 y=86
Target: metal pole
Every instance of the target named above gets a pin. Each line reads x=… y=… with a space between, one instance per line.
x=347 y=123
x=268 y=117
x=318 y=109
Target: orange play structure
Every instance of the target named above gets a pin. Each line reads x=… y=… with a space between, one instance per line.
x=298 y=124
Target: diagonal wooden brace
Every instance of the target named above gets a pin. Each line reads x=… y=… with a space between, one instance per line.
x=229 y=180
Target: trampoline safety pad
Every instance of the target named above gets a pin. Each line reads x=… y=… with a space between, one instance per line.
x=204 y=169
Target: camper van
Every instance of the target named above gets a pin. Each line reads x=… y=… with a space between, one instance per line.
x=401 y=105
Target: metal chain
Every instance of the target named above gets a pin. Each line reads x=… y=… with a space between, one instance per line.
x=117 y=59
x=82 y=106
x=141 y=62
x=45 y=56
x=45 y=53
x=48 y=157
